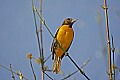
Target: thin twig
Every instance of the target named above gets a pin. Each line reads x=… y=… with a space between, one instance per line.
x=84 y=64
x=48 y=70
x=43 y=22
x=108 y=40
x=41 y=51
x=113 y=50
x=32 y=70
x=48 y=76
x=13 y=77
x=37 y=33
x=20 y=75
x=41 y=38
x=47 y=58
x=11 y=71
x=41 y=42
x=81 y=71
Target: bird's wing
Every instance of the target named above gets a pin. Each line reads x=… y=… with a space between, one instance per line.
x=54 y=44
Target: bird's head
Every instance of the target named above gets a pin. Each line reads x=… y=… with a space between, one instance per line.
x=69 y=21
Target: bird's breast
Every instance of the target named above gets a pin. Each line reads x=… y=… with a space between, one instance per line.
x=65 y=36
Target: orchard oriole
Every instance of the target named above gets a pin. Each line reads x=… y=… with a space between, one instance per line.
x=64 y=36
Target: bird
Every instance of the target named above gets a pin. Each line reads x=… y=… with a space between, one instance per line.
x=63 y=37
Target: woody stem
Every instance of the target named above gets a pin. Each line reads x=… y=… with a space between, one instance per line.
x=82 y=72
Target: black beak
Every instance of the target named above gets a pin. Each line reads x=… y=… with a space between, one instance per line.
x=74 y=20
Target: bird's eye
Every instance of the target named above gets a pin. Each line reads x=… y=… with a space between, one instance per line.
x=68 y=19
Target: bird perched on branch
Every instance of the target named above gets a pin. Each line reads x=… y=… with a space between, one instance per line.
x=63 y=39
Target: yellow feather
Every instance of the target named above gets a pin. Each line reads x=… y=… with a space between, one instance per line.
x=64 y=36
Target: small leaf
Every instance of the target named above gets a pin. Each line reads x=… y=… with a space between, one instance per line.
x=34 y=8
x=29 y=56
x=20 y=75
x=38 y=60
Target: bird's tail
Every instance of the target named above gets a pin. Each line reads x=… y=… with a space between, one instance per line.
x=56 y=65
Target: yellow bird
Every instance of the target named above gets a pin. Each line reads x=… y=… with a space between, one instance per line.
x=64 y=36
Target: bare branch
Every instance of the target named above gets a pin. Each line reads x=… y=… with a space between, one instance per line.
x=32 y=70
x=13 y=77
x=36 y=27
x=20 y=75
x=81 y=71
x=84 y=64
x=40 y=41
x=12 y=71
x=47 y=58
x=113 y=50
x=48 y=76
x=108 y=40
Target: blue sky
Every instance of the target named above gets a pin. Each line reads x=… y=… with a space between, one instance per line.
x=18 y=37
